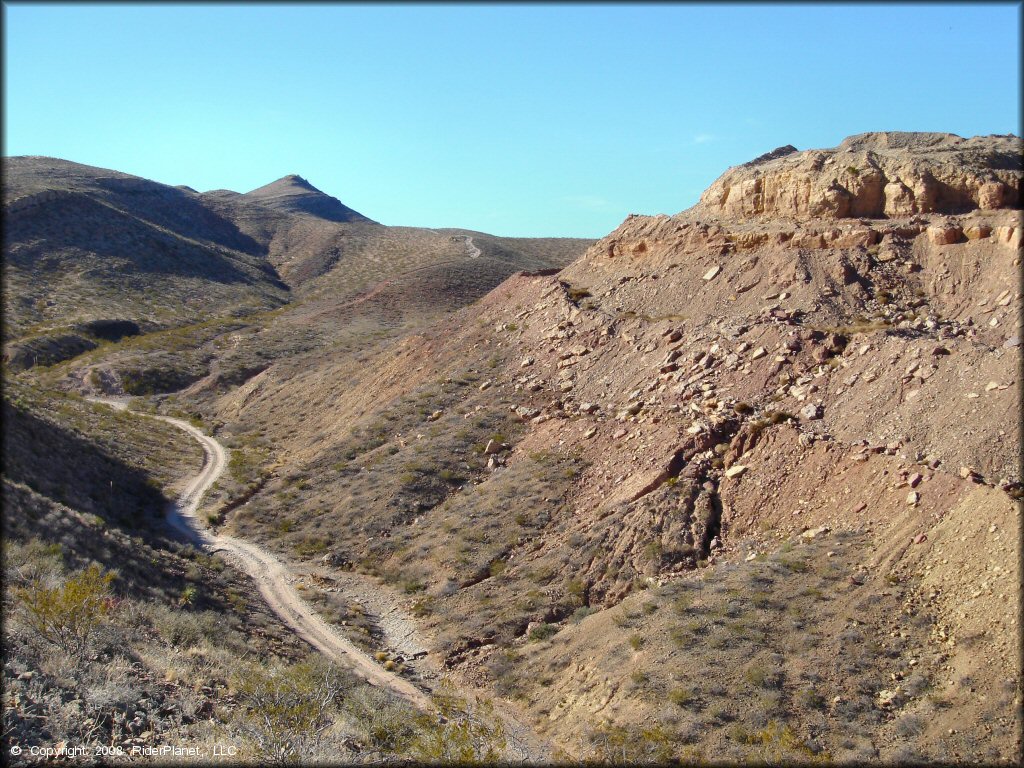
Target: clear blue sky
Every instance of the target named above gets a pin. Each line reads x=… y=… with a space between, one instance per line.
x=514 y=120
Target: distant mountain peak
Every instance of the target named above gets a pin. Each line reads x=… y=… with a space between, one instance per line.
x=294 y=194
x=293 y=179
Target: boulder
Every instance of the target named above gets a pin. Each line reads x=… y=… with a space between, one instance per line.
x=812 y=412
x=944 y=234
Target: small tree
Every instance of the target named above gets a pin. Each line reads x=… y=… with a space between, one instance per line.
x=66 y=616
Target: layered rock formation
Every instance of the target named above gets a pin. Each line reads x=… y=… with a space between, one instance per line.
x=875 y=175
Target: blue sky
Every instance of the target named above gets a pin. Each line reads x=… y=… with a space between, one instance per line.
x=515 y=120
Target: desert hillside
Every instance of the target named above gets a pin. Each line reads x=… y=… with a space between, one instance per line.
x=738 y=484
x=163 y=286
x=697 y=400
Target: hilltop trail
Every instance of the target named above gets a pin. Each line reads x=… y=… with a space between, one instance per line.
x=273 y=579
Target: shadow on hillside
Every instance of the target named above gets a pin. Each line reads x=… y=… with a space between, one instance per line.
x=66 y=468
x=82 y=233
x=180 y=212
x=54 y=481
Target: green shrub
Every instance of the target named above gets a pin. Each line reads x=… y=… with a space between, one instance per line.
x=67 y=615
x=542 y=632
x=681 y=697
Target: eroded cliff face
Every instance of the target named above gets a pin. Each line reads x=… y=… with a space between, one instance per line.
x=874 y=175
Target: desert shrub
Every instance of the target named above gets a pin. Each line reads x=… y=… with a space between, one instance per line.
x=685 y=636
x=778 y=744
x=576 y=294
x=184 y=629
x=761 y=676
x=465 y=733
x=809 y=698
x=909 y=726
x=286 y=710
x=916 y=684
x=640 y=678
x=794 y=564
x=682 y=697
x=383 y=724
x=581 y=613
x=619 y=745
x=720 y=713
x=542 y=632
x=188 y=596
x=67 y=615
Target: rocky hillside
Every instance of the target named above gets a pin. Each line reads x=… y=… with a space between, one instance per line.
x=721 y=474
x=114 y=633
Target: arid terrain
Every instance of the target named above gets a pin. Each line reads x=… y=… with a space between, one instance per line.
x=738 y=484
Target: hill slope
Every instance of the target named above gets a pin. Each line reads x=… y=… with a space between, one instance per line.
x=293 y=194
x=741 y=483
x=801 y=405
x=179 y=280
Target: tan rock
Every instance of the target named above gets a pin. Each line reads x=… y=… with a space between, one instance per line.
x=977 y=231
x=991 y=195
x=899 y=199
x=944 y=234
x=873 y=175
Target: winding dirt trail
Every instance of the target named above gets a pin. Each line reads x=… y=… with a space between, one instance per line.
x=474 y=252
x=272 y=577
x=274 y=580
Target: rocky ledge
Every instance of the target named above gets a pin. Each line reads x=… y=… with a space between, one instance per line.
x=874 y=175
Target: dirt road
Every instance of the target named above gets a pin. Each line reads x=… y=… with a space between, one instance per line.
x=274 y=581
x=270 y=574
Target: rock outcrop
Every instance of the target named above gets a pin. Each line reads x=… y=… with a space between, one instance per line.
x=874 y=175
